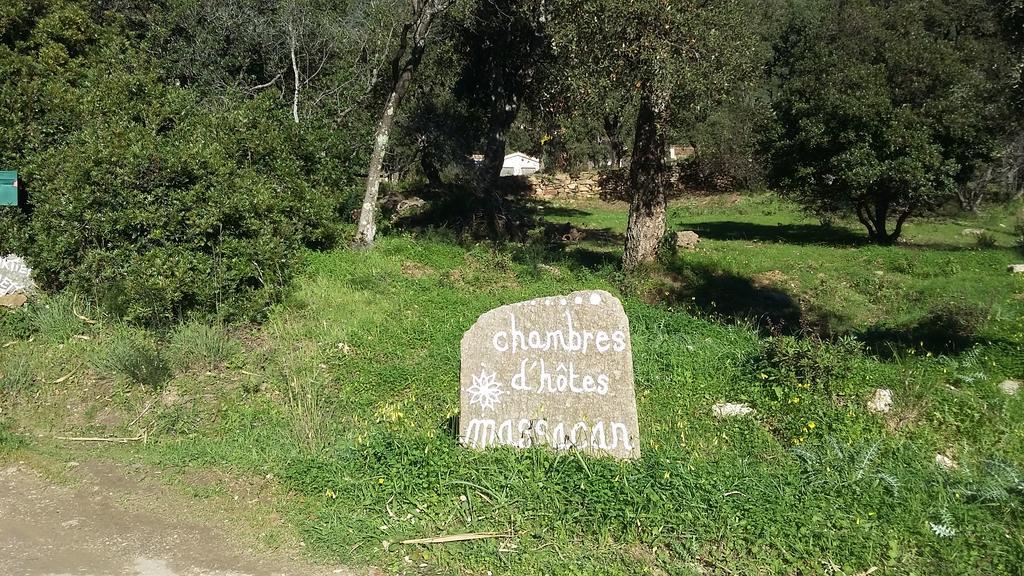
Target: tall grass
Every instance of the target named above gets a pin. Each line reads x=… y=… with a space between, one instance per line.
x=132 y=354
x=58 y=318
x=199 y=345
x=15 y=374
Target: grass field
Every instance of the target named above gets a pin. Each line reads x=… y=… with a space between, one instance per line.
x=346 y=396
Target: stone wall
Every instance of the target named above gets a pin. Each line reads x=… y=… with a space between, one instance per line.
x=583 y=186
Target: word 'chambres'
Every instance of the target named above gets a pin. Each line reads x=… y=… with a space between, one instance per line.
x=569 y=339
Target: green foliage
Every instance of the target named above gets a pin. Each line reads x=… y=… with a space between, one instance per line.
x=15 y=324
x=788 y=365
x=146 y=198
x=200 y=345
x=133 y=355
x=1018 y=233
x=986 y=240
x=55 y=318
x=611 y=49
x=854 y=469
x=956 y=319
x=868 y=125
x=800 y=378
x=347 y=398
x=1011 y=14
x=727 y=155
x=668 y=250
x=16 y=374
x=217 y=211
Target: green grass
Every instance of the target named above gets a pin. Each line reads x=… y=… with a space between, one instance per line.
x=131 y=355
x=197 y=345
x=758 y=255
x=346 y=396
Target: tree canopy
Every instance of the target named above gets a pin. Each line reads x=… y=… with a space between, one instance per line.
x=885 y=109
x=318 y=109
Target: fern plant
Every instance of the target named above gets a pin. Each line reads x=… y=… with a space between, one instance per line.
x=834 y=465
x=944 y=528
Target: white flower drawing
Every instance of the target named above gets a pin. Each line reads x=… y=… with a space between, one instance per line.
x=485 y=391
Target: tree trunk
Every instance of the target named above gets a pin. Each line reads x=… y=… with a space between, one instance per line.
x=407 y=59
x=494 y=154
x=970 y=194
x=615 y=146
x=646 y=226
x=874 y=216
x=429 y=166
x=501 y=114
x=295 y=71
x=367 y=230
x=489 y=189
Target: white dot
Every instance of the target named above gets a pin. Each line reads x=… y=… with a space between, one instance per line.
x=579 y=300
x=595 y=299
x=564 y=302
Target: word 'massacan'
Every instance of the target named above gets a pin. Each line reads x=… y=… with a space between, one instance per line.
x=523 y=433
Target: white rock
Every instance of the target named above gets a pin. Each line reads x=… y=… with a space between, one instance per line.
x=1016 y=268
x=728 y=409
x=972 y=232
x=881 y=402
x=945 y=462
x=1009 y=387
x=15 y=276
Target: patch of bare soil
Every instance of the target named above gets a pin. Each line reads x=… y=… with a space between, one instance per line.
x=114 y=520
x=772 y=279
x=416 y=270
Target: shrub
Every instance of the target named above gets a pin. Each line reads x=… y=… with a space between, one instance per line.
x=951 y=324
x=668 y=249
x=1018 y=233
x=985 y=240
x=800 y=380
x=206 y=217
x=15 y=325
x=787 y=364
x=141 y=194
x=132 y=355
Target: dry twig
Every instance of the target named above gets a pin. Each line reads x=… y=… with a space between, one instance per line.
x=100 y=439
x=455 y=538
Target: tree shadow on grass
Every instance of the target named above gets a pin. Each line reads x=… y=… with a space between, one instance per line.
x=799 y=234
x=803 y=235
x=590 y=248
x=950 y=328
x=758 y=302
x=729 y=297
x=592 y=259
x=890 y=342
x=549 y=210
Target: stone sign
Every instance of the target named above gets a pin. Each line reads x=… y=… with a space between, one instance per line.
x=15 y=276
x=552 y=371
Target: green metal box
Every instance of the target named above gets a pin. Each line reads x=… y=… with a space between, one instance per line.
x=8 y=188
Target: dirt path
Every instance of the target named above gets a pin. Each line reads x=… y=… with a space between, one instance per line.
x=113 y=521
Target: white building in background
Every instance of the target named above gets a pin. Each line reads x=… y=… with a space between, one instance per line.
x=519 y=164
